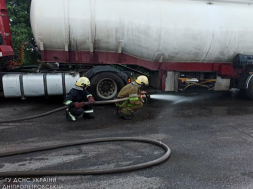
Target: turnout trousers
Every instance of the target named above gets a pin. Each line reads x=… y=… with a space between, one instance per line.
x=128 y=109
x=74 y=113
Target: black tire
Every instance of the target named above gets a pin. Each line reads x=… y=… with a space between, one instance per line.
x=106 y=86
x=249 y=90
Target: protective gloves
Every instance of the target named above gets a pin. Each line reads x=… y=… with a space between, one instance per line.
x=91 y=100
x=79 y=105
x=143 y=94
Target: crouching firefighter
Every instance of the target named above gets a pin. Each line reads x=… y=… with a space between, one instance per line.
x=135 y=102
x=76 y=99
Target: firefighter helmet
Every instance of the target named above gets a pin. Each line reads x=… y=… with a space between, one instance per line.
x=142 y=80
x=83 y=82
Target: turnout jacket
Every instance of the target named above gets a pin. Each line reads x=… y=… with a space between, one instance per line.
x=131 y=90
x=76 y=95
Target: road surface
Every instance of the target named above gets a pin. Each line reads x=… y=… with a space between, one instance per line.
x=210 y=135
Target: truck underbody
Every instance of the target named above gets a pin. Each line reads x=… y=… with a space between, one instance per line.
x=109 y=72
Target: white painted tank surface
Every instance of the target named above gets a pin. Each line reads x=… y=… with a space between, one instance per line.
x=180 y=30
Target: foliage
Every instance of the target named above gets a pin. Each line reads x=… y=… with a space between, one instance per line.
x=19 y=14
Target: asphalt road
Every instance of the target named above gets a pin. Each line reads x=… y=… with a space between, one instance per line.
x=210 y=135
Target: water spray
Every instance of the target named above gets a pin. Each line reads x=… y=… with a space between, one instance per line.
x=172 y=98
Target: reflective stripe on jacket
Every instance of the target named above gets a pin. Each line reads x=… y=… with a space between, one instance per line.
x=132 y=91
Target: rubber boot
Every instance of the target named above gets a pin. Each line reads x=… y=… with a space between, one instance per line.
x=68 y=116
x=89 y=116
x=125 y=116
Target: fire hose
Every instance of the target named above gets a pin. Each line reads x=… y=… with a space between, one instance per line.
x=59 y=109
x=35 y=173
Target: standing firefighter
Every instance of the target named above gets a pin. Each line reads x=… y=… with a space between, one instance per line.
x=76 y=98
x=132 y=90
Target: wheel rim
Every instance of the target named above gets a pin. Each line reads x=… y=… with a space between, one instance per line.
x=106 y=88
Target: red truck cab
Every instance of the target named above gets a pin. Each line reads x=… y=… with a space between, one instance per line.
x=6 y=43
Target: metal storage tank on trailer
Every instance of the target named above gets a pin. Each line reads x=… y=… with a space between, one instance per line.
x=174 y=39
x=180 y=44
x=165 y=30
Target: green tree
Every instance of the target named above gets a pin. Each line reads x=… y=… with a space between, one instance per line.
x=19 y=14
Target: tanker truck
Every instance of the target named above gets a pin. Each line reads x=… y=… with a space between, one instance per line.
x=179 y=44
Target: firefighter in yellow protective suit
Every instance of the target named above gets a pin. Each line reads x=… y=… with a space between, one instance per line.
x=135 y=102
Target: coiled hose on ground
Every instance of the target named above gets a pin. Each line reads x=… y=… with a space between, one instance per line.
x=36 y=173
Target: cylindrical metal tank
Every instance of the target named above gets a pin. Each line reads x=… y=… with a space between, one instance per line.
x=181 y=30
x=30 y=85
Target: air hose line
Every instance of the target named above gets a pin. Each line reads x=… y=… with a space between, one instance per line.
x=36 y=173
x=59 y=109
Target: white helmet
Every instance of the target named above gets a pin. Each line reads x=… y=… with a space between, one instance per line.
x=142 y=80
x=83 y=82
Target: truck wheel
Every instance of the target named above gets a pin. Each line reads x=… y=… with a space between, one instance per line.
x=249 y=90
x=106 y=86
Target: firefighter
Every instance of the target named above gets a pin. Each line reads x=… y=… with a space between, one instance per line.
x=132 y=90
x=75 y=100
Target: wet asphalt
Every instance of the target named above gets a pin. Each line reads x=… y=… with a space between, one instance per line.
x=210 y=135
